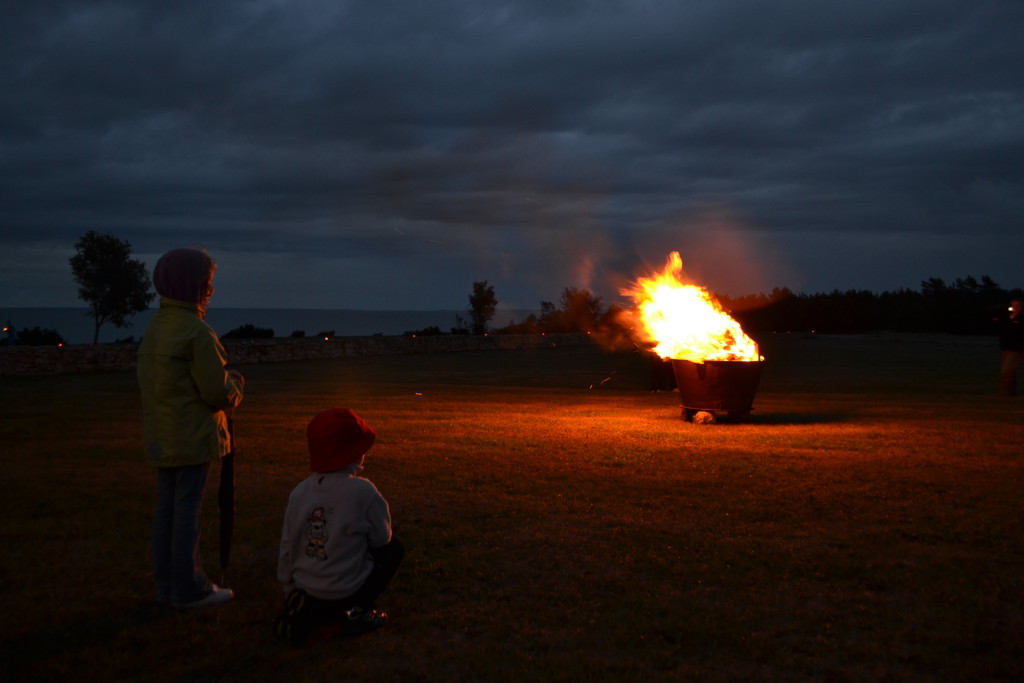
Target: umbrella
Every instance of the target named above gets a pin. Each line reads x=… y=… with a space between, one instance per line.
x=226 y=499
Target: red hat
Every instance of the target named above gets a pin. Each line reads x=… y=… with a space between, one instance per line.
x=337 y=438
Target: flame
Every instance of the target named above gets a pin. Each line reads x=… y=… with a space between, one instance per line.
x=685 y=321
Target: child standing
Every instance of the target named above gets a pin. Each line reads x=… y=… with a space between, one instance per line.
x=337 y=552
x=186 y=393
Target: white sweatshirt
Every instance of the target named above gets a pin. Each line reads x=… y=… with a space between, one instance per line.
x=329 y=525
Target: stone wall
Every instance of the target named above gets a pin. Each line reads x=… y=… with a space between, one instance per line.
x=52 y=360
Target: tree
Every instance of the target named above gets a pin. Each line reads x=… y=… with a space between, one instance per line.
x=114 y=285
x=482 y=306
x=580 y=311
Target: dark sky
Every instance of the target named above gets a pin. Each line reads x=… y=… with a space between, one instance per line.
x=389 y=153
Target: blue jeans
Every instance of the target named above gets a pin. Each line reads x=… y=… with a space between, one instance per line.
x=179 y=571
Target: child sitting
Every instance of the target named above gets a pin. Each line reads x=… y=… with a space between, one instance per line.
x=337 y=552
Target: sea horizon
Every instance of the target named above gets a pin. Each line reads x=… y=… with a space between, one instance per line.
x=76 y=326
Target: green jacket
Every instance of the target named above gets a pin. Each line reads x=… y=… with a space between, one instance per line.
x=185 y=388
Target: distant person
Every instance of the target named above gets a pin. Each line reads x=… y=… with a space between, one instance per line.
x=1011 y=344
x=337 y=552
x=10 y=336
x=186 y=393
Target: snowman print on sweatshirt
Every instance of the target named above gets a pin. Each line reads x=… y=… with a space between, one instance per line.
x=316 y=534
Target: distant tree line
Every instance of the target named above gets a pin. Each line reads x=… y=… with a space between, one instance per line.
x=965 y=306
x=117 y=286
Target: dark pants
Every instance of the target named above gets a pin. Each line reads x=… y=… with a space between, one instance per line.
x=1008 y=372
x=179 y=571
x=386 y=561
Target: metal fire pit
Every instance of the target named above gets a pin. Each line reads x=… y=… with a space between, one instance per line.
x=717 y=386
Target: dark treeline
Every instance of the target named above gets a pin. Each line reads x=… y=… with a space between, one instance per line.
x=965 y=306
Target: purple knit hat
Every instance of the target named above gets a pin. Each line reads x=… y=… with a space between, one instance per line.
x=185 y=274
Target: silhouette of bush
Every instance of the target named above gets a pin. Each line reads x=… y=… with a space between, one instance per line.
x=249 y=332
x=431 y=331
x=38 y=336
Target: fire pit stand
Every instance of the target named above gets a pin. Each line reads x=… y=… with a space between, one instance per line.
x=717 y=386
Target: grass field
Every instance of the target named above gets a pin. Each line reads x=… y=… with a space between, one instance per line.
x=562 y=523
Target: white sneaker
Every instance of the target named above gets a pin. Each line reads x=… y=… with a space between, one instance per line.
x=216 y=596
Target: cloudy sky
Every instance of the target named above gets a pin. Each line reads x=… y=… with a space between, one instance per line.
x=388 y=153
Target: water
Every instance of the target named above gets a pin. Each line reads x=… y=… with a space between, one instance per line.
x=76 y=326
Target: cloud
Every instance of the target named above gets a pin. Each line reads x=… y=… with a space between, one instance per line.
x=535 y=144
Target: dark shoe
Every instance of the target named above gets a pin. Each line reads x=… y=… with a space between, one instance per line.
x=295 y=622
x=357 y=621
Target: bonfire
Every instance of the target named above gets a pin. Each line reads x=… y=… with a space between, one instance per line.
x=683 y=321
x=716 y=365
